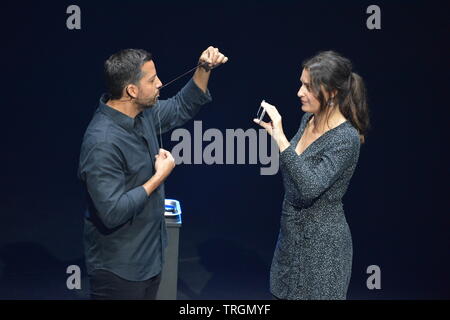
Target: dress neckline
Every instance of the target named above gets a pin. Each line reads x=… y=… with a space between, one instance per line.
x=302 y=131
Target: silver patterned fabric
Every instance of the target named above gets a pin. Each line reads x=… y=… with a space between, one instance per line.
x=313 y=254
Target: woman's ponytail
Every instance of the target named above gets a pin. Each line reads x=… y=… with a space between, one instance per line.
x=354 y=106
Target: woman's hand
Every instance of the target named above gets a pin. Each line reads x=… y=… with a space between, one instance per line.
x=275 y=126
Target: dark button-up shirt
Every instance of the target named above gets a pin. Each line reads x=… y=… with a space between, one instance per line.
x=124 y=230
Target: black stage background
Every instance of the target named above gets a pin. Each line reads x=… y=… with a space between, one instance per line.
x=396 y=206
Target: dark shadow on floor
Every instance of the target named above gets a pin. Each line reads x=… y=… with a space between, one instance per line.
x=234 y=272
x=29 y=271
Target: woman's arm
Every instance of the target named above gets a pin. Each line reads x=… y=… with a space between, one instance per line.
x=312 y=179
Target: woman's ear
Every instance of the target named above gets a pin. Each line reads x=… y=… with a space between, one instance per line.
x=333 y=94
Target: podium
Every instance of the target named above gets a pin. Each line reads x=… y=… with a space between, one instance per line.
x=169 y=275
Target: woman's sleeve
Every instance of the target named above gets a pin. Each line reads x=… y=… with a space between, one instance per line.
x=311 y=180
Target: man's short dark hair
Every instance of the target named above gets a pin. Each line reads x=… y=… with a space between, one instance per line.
x=123 y=68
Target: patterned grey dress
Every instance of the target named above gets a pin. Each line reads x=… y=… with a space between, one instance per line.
x=313 y=255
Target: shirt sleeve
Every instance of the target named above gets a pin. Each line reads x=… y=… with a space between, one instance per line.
x=176 y=111
x=105 y=182
x=311 y=180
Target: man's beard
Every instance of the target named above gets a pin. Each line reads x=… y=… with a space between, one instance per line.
x=147 y=104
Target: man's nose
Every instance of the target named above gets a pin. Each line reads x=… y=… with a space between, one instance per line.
x=159 y=85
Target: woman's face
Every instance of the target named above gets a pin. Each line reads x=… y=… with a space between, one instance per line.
x=309 y=101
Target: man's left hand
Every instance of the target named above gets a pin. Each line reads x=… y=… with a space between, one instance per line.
x=212 y=58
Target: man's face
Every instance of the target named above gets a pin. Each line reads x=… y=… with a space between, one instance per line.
x=148 y=86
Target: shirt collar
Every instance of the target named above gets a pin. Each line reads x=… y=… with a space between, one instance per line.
x=118 y=117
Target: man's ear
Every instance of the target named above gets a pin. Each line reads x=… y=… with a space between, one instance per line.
x=132 y=91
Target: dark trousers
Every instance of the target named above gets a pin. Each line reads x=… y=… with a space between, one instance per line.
x=106 y=285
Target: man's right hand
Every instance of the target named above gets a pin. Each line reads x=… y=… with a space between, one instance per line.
x=164 y=163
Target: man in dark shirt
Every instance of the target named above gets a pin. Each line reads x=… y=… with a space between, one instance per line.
x=123 y=169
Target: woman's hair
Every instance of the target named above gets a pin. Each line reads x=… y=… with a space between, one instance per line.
x=332 y=71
